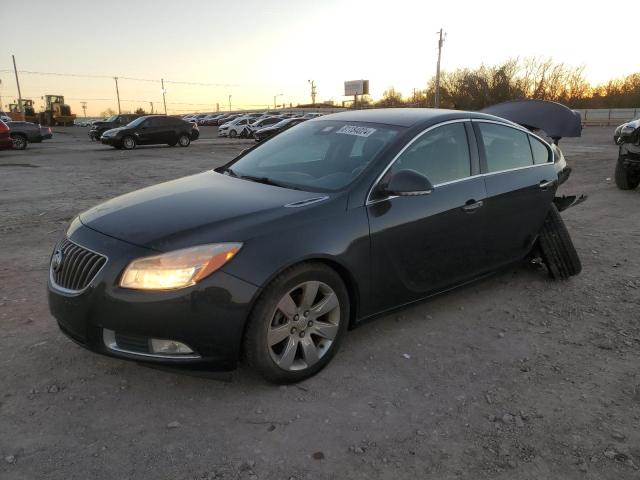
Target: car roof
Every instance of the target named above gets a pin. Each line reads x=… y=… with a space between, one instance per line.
x=406 y=117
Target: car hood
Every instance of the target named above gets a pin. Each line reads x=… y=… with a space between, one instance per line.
x=204 y=208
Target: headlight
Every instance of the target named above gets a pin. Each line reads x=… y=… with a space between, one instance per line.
x=178 y=269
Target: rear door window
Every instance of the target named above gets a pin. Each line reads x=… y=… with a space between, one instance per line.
x=506 y=148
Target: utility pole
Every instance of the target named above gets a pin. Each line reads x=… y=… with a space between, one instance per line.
x=84 y=108
x=274 y=100
x=151 y=103
x=118 y=94
x=15 y=70
x=229 y=102
x=440 y=42
x=313 y=91
x=164 y=100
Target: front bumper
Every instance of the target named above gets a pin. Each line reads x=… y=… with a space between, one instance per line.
x=209 y=317
x=112 y=141
x=223 y=133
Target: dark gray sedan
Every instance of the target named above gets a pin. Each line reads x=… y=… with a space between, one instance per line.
x=25 y=132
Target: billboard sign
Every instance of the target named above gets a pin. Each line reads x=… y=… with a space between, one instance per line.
x=356 y=87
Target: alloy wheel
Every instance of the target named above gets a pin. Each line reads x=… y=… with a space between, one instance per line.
x=303 y=326
x=129 y=143
x=19 y=142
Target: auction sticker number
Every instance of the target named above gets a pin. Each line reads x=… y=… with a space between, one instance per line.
x=357 y=131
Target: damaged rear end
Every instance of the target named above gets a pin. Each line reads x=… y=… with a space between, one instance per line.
x=553 y=119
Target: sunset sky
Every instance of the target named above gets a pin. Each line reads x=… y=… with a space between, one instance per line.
x=254 y=50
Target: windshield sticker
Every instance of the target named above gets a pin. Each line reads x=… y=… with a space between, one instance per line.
x=357 y=131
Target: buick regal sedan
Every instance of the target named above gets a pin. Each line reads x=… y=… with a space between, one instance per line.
x=272 y=257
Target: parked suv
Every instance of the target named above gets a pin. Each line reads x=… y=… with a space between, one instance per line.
x=115 y=121
x=152 y=130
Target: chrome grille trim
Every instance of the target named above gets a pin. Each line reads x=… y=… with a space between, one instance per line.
x=80 y=265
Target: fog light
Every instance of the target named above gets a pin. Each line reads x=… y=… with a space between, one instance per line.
x=169 y=347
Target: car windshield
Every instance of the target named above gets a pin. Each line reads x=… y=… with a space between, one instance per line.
x=112 y=118
x=136 y=122
x=321 y=156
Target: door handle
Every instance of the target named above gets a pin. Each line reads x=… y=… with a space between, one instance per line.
x=544 y=184
x=472 y=205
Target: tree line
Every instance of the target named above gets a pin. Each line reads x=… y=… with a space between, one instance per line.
x=529 y=78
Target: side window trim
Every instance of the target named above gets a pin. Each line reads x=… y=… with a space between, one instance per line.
x=416 y=137
x=484 y=169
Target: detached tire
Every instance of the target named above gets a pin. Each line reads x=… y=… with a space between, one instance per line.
x=297 y=324
x=626 y=179
x=558 y=252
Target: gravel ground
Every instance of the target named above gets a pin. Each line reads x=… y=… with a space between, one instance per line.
x=513 y=377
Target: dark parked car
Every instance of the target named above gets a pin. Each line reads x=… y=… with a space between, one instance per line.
x=152 y=130
x=115 y=121
x=271 y=130
x=5 y=137
x=274 y=255
x=627 y=137
x=23 y=133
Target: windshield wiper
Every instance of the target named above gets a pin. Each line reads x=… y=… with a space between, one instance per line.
x=267 y=181
x=229 y=171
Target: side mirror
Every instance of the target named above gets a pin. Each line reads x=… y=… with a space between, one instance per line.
x=408 y=183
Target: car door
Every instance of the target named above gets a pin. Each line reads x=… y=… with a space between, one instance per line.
x=145 y=131
x=426 y=243
x=519 y=189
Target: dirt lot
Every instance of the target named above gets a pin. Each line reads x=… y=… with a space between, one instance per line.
x=514 y=377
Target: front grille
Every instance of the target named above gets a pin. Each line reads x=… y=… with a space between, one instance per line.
x=74 y=267
x=132 y=343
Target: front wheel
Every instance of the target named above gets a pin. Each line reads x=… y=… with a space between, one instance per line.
x=128 y=143
x=626 y=178
x=19 y=142
x=233 y=134
x=184 y=140
x=297 y=324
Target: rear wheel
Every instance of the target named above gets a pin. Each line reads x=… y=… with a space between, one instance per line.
x=626 y=178
x=556 y=247
x=297 y=324
x=128 y=142
x=184 y=140
x=19 y=141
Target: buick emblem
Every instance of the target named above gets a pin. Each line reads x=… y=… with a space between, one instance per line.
x=56 y=261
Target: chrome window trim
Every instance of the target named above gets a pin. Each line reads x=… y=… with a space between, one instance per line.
x=368 y=201
x=76 y=292
x=479 y=175
x=522 y=129
x=109 y=340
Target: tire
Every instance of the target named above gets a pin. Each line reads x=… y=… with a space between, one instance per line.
x=556 y=247
x=128 y=142
x=286 y=348
x=626 y=179
x=184 y=140
x=232 y=134
x=19 y=141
